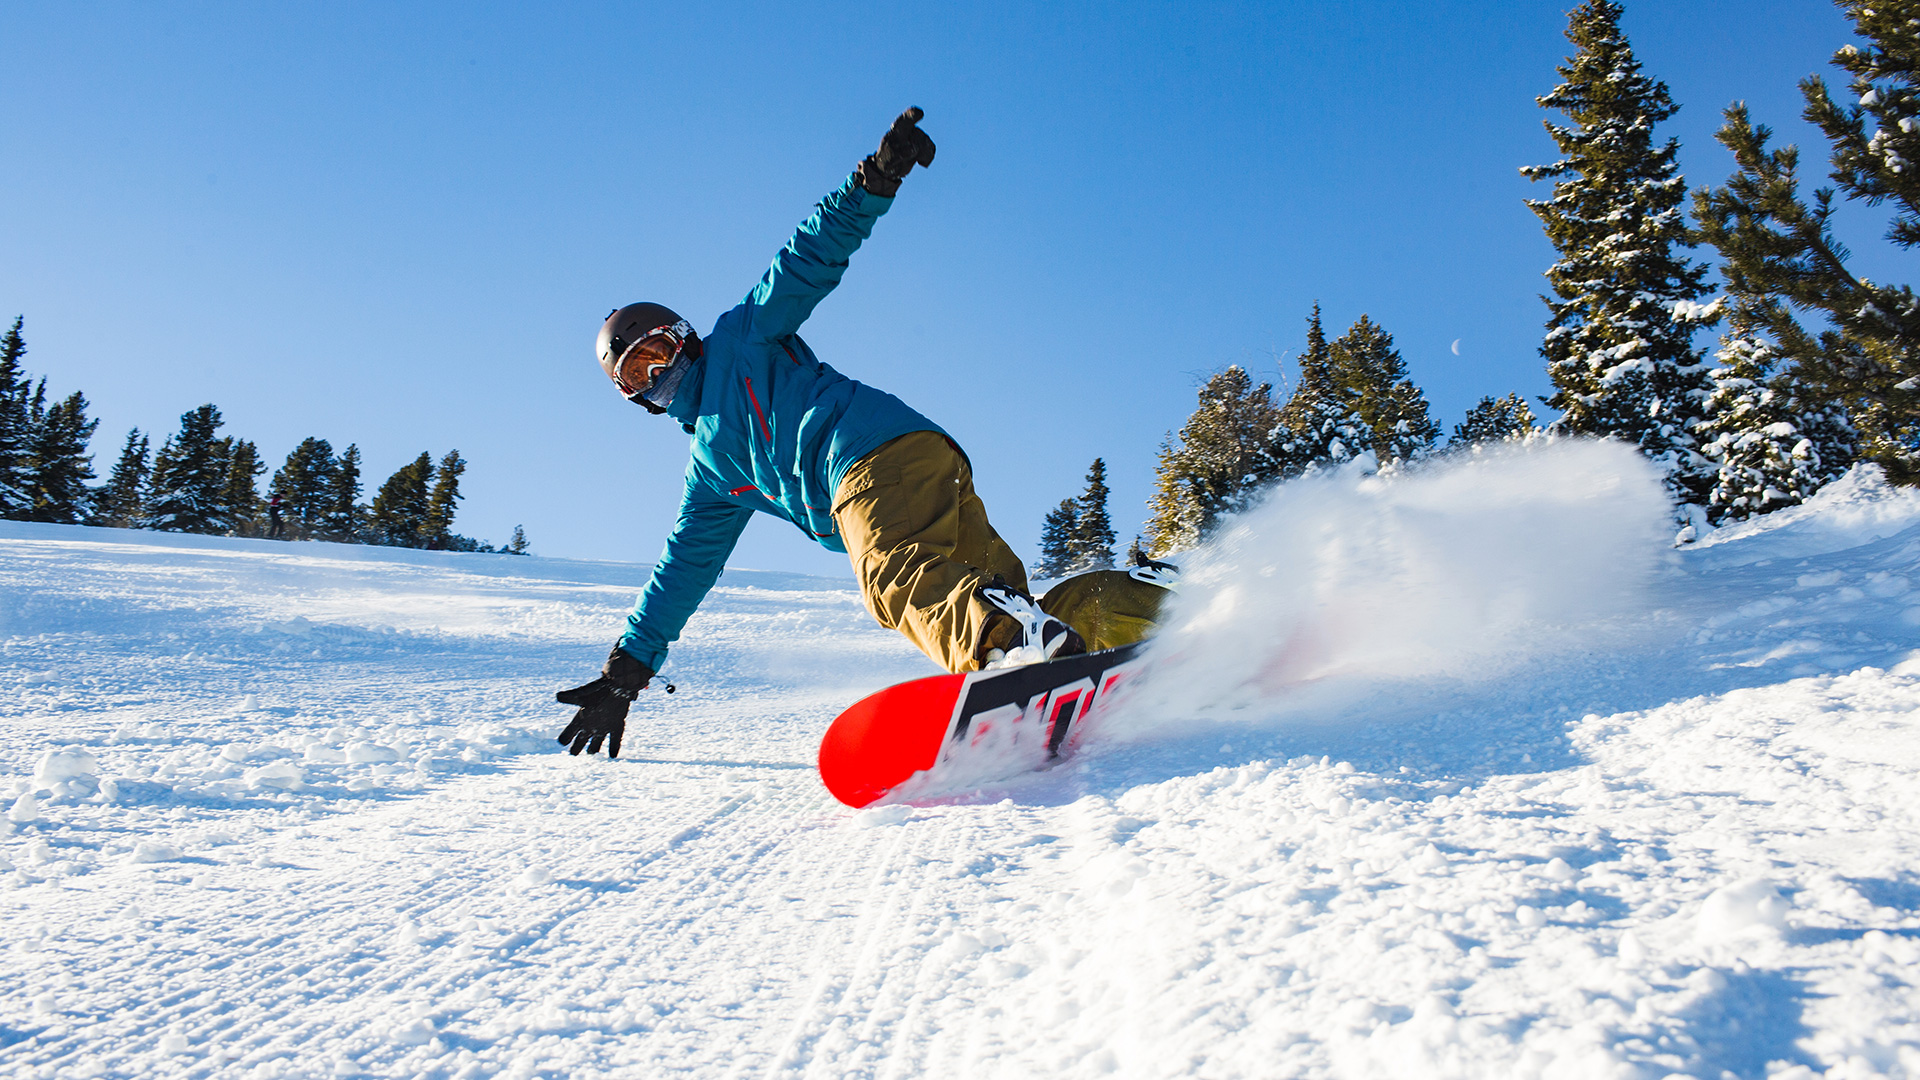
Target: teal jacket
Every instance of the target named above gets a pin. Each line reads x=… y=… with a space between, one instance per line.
x=774 y=429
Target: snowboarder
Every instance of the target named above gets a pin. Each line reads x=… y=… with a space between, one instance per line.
x=274 y=525
x=776 y=430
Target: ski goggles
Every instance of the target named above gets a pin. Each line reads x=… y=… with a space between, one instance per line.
x=651 y=368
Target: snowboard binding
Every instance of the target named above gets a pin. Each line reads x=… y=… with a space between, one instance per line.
x=1037 y=636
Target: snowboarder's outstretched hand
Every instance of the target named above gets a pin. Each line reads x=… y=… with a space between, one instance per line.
x=901 y=148
x=603 y=705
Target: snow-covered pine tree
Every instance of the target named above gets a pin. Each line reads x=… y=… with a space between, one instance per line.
x=58 y=465
x=1225 y=452
x=344 y=518
x=303 y=484
x=443 y=502
x=1781 y=252
x=1318 y=427
x=399 y=514
x=1623 y=365
x=1775 y=441
x=1092 y=543
x=1373 y=381
x=240 y=504
x=121 y=502
x=189 y=474
x=1137 y=551
x=518 y=545
x=1056 y=541
x=1494 y=420
x=15 y=423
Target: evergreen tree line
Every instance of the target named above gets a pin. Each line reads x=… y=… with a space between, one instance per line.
x=199 y=481
x=44 y=464
x=1776 y=409
x=1758 y=422
x=1353 y=401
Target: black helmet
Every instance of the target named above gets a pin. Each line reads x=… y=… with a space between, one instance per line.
x=626 y=325
x=647 y=349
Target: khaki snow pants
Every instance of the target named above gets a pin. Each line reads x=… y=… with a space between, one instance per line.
x=921 y=543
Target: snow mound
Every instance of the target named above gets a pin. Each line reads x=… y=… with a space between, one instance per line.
x=1743 y=908
x=58 y=766
x=153 y=851
x=1857 y=509
x=284 y=775
x=1455 y=571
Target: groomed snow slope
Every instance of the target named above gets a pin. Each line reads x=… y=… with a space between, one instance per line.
x=295 y=810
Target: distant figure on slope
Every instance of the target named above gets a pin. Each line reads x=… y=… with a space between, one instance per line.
x=274 y=525
x=776 y=430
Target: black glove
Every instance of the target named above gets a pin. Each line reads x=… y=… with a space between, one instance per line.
x=603 y=705
x=901 y=148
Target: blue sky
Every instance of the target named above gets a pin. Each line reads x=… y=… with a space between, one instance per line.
x=400 y=225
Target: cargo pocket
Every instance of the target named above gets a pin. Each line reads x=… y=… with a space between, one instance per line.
x=864 y=478
x=869 y=504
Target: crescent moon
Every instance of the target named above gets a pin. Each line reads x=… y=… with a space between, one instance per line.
x=1456 y=346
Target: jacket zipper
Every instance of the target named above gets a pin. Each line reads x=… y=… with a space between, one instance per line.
x=767 y=431
x=751 y=396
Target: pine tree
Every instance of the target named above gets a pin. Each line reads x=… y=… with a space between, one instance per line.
x=1774 y=442
x=1318 y=427
x=1056 y=541
x=1224 y=455
x=437 y=531
x=121 y=502
x=344 y=519
x=518 y=545
x=303 y=484
x=1622 y=363
x=1373 y=380
x=400 y=507
x=1091 y=546
x=58 y=465
x=189 y=476
x=1781 y=253
x=15 y=423
x=241 y=506
x=1137 y=552
x=1494 y=420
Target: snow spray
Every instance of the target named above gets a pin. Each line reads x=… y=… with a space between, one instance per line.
x=1456 y=570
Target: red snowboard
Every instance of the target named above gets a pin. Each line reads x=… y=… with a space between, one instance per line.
x=975 y=727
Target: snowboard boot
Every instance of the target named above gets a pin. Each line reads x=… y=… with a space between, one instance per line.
x=1111 y=608
x=1019 y=632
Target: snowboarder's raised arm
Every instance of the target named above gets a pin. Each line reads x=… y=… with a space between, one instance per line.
x=696 y=552
x=812 y=262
